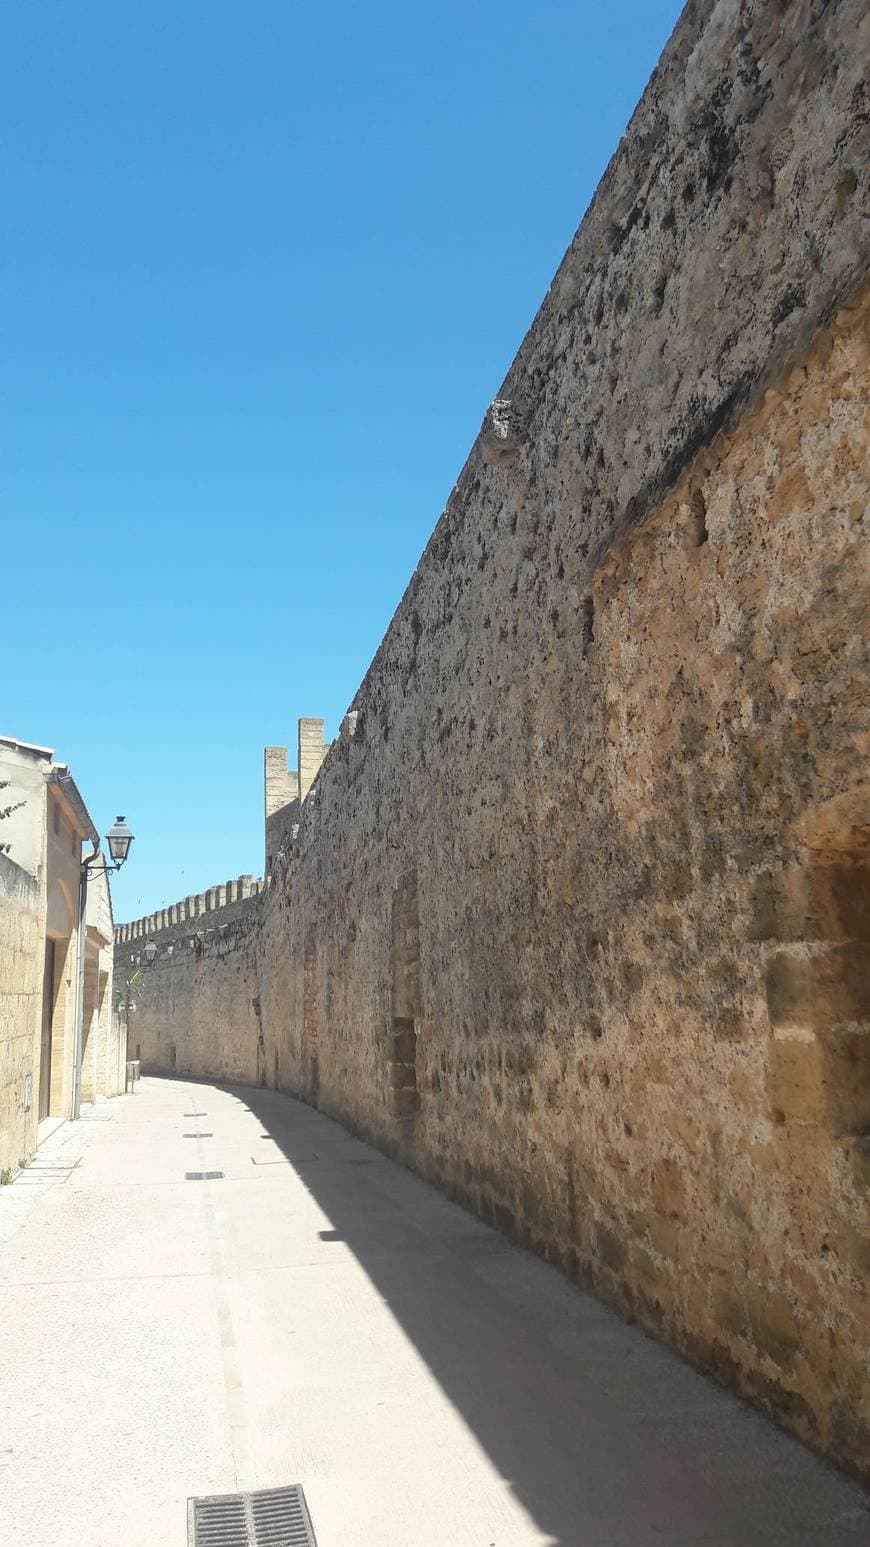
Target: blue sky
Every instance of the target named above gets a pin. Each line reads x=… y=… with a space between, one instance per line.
x=264 y=266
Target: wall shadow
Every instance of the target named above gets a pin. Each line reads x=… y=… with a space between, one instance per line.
x=606 y=1438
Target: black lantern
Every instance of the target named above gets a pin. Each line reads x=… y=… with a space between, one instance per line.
x=149 y=952
x=119 y=839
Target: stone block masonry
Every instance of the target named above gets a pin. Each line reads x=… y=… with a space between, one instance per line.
x=576 y=917
x=173 y=1003
x=21 y=955
x=195 y=1005
x=286 y=788
x=205 y=910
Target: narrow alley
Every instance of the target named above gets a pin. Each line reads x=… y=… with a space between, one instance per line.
x=316 y=1314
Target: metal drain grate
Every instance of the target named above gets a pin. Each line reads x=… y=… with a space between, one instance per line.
x=274 y=1517
x=197 y=1136
x=203 y=1176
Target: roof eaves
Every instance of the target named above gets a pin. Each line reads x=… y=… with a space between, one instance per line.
x=26 y=746
x=59 y=774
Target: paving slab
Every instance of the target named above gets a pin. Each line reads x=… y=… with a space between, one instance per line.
x=321 y=1316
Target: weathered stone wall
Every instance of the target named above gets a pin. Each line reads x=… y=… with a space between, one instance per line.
x=605 y=974
x=203 y=911
x=195 y=1005
x=284 y=789
x=187 y=1016
x=279 y=832
x=20 y=1009
x=103 y=1042
x=577 y=917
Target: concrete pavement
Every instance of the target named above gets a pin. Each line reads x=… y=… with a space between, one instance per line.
x=320 y=1315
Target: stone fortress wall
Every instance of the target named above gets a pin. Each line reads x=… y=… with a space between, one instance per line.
x=194 y=1010
x=285 y=788
x=193 y=1007
x=575 y=915
x=168 y=1026
x=213 y=908
x=284 y=791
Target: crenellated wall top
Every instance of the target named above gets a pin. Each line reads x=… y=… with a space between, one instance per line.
x=229 y=894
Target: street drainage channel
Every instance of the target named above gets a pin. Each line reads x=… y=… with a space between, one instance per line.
x=272 y=1517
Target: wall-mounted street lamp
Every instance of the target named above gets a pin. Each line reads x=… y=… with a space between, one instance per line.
x=119 y=838
x=149 y=952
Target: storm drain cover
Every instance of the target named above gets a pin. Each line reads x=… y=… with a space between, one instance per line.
x=203 y=1176
x=274 y=1517
x=197 y=1136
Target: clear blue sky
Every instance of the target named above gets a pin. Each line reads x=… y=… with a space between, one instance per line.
x=264 y=265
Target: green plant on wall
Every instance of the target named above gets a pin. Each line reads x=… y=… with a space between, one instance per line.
x=122 y=992
x=6 y=811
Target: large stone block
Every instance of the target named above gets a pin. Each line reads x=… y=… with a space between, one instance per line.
x=795 y=1080
x=820 y=991
x=820 y=902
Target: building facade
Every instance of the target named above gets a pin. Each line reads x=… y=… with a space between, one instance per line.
x=57 y=1044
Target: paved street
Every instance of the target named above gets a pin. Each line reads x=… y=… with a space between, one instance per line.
x=321 y=1316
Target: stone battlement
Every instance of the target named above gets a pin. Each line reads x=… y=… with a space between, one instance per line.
x=284 y=791
x=191 y=909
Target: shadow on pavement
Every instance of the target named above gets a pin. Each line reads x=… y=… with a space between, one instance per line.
x=606 y=1438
